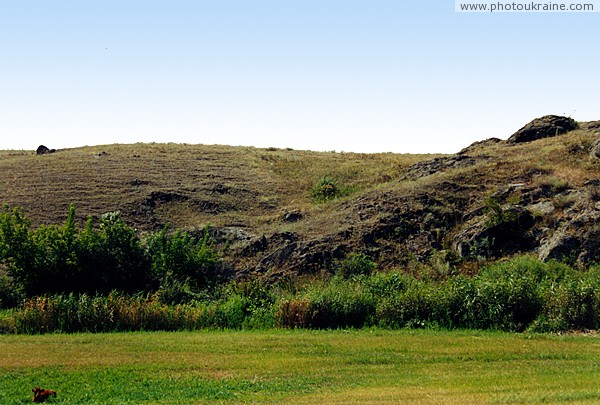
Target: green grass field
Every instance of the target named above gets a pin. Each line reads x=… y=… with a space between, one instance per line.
x=302 y=367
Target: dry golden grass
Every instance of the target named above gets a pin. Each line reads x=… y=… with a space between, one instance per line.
x=220 y=185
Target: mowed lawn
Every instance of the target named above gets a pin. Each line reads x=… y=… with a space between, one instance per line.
x=302 y=367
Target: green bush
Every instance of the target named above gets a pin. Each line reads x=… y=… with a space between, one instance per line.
x=58 y=259
x=325 y=190
x=383 y=285
x=415 y=307
x=41 y=260
x=174 y=292
x=115 y=257
x=355 y=264
x=232 y=312
x=178 y=258
x=337 y=304
x=505 y=304
x=504 y=296
x=571 y=305
x=10 y=294
x=100 y=258
x=526 y=266
x=17 y=251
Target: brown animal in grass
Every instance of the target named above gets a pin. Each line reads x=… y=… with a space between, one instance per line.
x=40 y=394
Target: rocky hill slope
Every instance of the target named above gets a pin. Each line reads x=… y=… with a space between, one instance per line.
x=538 y=192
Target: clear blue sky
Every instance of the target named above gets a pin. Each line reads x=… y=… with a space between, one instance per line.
x=366 y=76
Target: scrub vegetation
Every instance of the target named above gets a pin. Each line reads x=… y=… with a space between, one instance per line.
x=106 y=278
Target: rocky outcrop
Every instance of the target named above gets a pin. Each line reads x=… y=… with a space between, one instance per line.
x=544 y=127
x=595 y=150
x=560 y=246
x=484 y=237
x=429 y=167
x=480 y=144
x=592 y=125
x=380 y=224
x=577 y=238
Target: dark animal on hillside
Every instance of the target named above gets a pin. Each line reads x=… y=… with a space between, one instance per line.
x=40 y=394
x=41 y=150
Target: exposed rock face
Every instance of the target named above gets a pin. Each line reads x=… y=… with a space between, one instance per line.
x=595 y=150
x=593 y=125
x=480 y=238
x=254 y=246
x=42 y=150
x=577 y=239
x=559 y=246
x=562 y=226
x=429 y=167
x=544 y=127
x=480 y=144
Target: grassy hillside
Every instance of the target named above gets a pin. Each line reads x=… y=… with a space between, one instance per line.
x=186 y=185
x=492 y=199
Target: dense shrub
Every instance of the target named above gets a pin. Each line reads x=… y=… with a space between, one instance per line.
x=414 y=307
x=512 y=295
x=383 y=285
x=179 y=260
x=173 y=291
x=507 y=304
x=17 y=250
x=337 y=304
x=104 y=256
x=355 y=264
x=528 y=267
x=504 y=296
x=56 y=259
x=112 y=257
x=10 y=294
x=232 y=312
x=571 y=305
